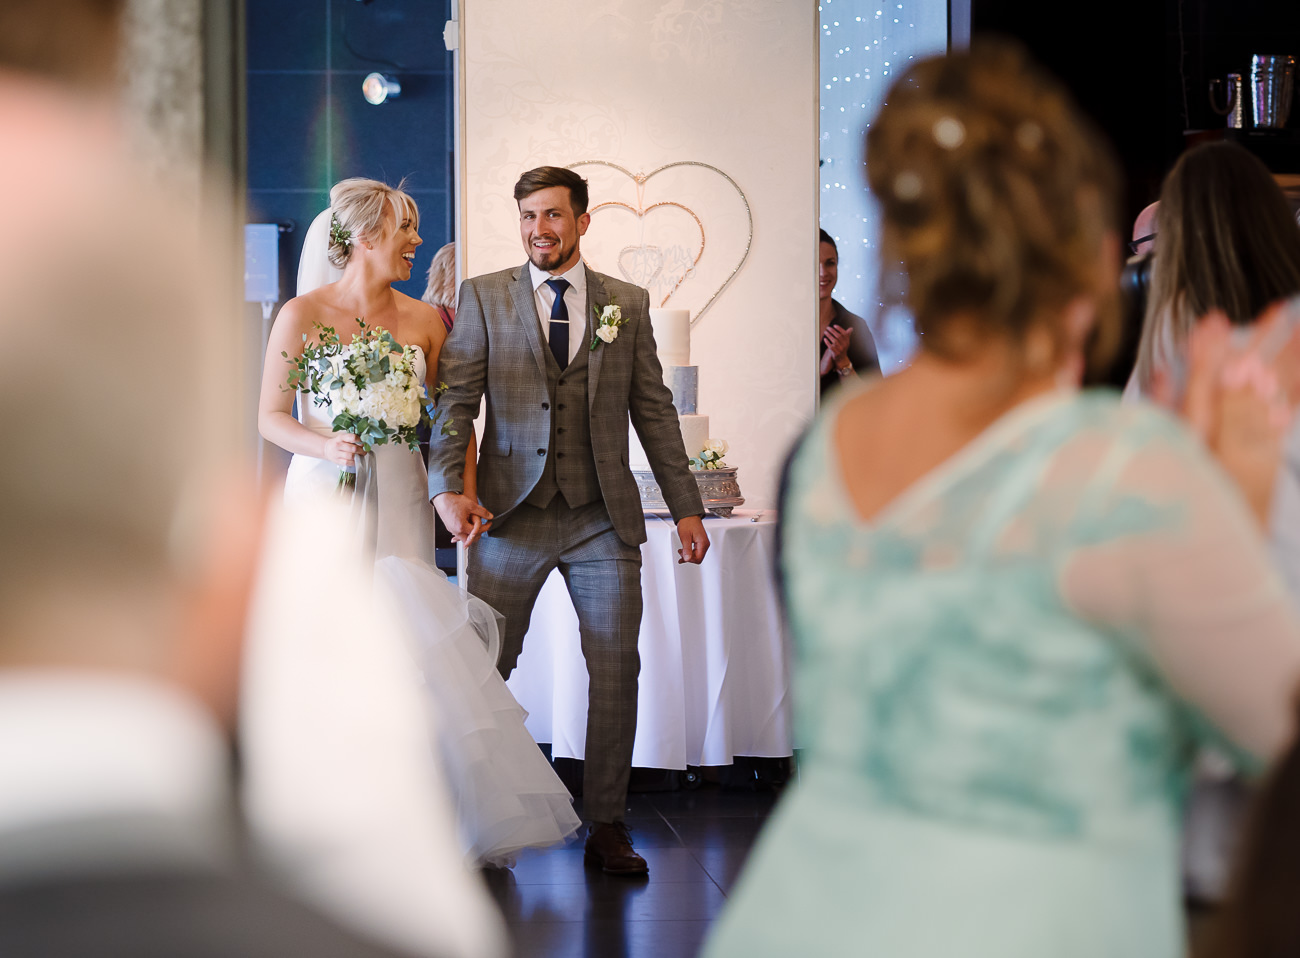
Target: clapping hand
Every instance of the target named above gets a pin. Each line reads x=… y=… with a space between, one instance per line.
x=836 y=341
x=1242 y=388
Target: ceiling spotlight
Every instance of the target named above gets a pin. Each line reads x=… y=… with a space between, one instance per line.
x=377 y=88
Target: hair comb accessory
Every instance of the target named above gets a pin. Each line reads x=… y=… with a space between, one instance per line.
x=1029 y=135
x=338 y=234
x=907 y=186
x=949 y=132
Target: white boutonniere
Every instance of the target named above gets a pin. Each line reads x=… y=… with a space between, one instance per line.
x=608 y=320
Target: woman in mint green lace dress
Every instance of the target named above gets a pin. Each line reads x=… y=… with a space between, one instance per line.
x=1016 y=608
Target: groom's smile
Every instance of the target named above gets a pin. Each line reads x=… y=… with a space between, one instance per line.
x=550 y=230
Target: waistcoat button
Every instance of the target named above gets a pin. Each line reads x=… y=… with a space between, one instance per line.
x=546 y=405
x=541 y=452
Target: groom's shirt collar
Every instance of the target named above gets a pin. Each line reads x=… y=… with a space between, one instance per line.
x=576 y=275
x=575 y=297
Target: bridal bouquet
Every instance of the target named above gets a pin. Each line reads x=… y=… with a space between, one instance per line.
x=370 y=384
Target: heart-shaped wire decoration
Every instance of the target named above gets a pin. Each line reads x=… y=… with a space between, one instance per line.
x=640 y=210
x=654 y=252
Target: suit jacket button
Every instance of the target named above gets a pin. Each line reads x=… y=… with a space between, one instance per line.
x=546 y=405
x=560 y=430
x=561 y=382
x=559 y=455
x=559 y=405
x=541 y=452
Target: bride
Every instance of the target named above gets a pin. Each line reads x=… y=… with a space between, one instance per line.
x=506 y=794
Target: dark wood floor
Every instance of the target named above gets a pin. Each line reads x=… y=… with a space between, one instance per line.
x=695 y=843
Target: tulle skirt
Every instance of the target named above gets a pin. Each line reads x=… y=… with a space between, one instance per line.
x=507 y=796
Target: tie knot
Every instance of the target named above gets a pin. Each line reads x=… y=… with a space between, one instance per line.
x=558 y=285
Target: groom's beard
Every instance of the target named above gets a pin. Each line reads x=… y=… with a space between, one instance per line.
x=549 y=260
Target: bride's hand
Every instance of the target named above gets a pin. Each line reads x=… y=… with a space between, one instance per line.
x=342 y=448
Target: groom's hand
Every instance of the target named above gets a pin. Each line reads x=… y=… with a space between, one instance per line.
x=464 y=518
x=695 y=541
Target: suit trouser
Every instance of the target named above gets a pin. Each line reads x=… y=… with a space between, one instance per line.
x=507 y=569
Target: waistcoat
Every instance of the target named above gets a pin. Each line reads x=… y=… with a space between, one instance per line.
x=570 y=464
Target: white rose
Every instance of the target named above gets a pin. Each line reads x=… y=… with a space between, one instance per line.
x=718 y=446
x=348 y=399
x=607 y=333
x=611 y=314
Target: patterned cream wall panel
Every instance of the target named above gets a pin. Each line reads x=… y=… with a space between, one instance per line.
x=728 y=83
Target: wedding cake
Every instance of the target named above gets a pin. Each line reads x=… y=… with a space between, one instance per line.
x=672 y=329
x=718 y=485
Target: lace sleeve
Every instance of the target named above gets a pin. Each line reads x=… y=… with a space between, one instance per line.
x=1185 y=570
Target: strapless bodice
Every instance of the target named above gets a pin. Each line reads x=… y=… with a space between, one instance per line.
x=311 y=476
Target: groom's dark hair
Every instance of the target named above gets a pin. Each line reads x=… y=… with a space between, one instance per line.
x=544 y=176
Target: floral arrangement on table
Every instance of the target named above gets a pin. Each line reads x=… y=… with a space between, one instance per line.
x=608 y=320
x=371 y=385
x=710 y=456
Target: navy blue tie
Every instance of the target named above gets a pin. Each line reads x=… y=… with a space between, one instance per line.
x=559 y=334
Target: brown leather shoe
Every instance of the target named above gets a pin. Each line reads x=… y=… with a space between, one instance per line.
x=610 y=847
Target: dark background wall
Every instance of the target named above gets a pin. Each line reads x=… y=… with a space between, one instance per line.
x=308 y=126
x=1141 y=68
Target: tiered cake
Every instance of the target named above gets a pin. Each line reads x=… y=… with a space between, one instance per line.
x=718 y=487
x=672 y=328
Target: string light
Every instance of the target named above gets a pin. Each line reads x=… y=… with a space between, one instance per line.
x=866 y=48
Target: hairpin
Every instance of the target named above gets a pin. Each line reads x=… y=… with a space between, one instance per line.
x=949 y=132
x=907 y=186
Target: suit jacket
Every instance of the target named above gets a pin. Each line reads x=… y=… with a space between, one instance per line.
x=496 y=348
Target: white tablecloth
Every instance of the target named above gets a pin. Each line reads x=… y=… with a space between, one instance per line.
x=714 y=670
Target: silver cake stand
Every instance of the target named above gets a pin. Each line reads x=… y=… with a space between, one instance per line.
x=718 y=488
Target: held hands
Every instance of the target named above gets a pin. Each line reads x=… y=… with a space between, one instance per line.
x=695 y=541
x=342 y=448
x=464 y=518
x=836 y=341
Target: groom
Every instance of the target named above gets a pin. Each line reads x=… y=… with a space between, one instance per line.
x=552 y=472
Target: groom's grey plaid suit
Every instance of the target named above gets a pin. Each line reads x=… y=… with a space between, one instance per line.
x=553 y=470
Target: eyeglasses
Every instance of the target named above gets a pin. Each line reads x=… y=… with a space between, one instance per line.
x=1134 y=246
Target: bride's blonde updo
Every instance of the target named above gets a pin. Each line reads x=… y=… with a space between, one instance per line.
x=996 y=196
x=358 y=206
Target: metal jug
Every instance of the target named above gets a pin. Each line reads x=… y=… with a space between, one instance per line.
x=1235 y=110
x=1271 y=79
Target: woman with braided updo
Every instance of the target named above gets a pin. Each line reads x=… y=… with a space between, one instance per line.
x=1008 y=632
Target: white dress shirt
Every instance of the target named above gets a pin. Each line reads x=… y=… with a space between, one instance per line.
x=575 y=297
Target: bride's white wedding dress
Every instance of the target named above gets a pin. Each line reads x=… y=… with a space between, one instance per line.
x=507 y=796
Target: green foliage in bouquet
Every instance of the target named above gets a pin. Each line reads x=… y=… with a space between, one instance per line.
x=370 y=383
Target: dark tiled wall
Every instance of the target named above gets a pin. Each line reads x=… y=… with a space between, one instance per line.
x=308 y=126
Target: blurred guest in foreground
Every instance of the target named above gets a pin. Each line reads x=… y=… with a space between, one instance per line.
x=130 y=538
x=440 y=293
x=1009 y=634
x=847 y=346
x=1229 y=245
